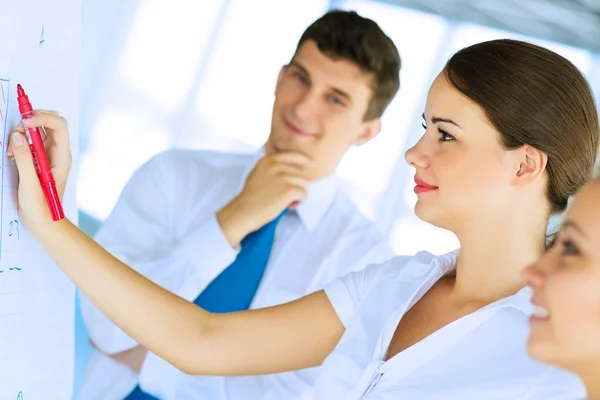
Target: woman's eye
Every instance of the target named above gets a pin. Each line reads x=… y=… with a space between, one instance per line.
x=445 y=136
x=569 y=248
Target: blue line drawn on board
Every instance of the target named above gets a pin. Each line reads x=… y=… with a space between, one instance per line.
x=20 y=396
x=14 y=228
x=17 y=269
x=42 y=40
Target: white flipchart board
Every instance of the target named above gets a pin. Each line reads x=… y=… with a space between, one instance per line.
x=40 y=49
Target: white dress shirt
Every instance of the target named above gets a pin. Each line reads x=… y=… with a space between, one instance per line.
x=481 y=356
x=164 y=226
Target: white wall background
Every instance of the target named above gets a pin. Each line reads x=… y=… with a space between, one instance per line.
x=159 y=74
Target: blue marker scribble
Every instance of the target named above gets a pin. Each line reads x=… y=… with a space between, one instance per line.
x=14 y=229
x=20 y=396
x=15 y=269
x=42 y=40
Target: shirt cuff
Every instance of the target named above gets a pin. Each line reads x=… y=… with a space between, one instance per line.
x=342 y=302
x=158 y=377
x=209 y=252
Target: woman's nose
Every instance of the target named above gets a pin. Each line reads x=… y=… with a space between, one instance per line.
x=535 y=275
x=416 y=156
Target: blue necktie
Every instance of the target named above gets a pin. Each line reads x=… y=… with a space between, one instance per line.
x=234 y=288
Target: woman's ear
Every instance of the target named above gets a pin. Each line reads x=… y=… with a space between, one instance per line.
x=532 y=164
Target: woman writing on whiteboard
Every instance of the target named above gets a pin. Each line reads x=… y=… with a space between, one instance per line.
x=511 y=131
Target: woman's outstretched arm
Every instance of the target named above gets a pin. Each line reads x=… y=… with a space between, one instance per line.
x=295 y=335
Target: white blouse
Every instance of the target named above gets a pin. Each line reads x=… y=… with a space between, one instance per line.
x=480 y=356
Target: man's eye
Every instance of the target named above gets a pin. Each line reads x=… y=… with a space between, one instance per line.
x=569 y=248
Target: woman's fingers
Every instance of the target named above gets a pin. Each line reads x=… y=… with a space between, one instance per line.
x=52 y=126
x=55 y=135
x=55 y=125
x=32 y=205
x=22 y=155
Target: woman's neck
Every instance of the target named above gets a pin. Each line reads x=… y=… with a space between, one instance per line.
x=493 y=254
x=590 y=375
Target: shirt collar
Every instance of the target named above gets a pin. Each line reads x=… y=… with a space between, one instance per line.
x=520 y=301
x=319 y=197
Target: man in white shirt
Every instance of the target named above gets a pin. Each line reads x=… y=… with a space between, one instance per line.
x=232 y=232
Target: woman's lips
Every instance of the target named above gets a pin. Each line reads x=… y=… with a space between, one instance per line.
x=422 y=186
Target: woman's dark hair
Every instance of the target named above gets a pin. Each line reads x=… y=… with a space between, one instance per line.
x=534 y=96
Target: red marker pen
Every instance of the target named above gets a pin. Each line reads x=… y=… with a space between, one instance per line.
x=40 y=158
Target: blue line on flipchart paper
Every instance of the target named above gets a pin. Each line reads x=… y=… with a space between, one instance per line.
x=4 y=153
x=4 y=102
x=42 y=40
x=17 y=269
x=14 y=227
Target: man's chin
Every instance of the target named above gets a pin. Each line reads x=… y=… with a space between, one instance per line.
x=272 y=148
